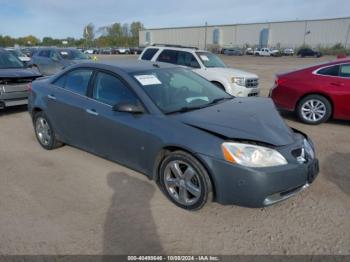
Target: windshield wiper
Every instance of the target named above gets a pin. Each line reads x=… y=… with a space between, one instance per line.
x=184 y=109
x=217 y=100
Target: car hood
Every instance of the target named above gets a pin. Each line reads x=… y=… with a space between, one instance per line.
x=18 y=73
x=230 y=72
x=253 y=119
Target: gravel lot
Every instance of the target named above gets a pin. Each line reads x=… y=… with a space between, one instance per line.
x=67 y=201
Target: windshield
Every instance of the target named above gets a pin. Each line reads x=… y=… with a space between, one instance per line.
x=179 y=90
x=73 y=54
x=8 y=60
x=16 y=52
x=210 y=60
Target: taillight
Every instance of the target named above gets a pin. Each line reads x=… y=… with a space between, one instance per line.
x=280 y=81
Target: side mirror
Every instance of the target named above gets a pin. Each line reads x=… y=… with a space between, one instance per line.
x=129 y=107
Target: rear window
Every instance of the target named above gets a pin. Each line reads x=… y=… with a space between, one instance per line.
x=149 y=53
x=329 y=71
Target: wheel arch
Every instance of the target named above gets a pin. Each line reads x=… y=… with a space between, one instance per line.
x=172 y=148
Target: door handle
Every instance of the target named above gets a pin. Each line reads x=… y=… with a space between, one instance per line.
x=337 y=84
x=91 y=112
x=52 y=97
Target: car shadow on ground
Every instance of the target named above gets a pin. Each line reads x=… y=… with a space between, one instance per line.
x=129 y=227
x=337 y=170
x=13 y=110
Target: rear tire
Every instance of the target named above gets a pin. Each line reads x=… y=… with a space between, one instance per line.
x=314 y=109
x=44 y=132
x=184 y=181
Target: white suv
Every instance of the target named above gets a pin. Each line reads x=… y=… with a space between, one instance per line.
x=233 y=81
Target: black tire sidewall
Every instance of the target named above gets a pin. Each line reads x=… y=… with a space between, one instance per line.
x=315 y=97
x=206 y=187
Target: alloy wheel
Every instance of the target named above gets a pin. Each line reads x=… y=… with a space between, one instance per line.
x=313 y=110
x=182 y=182
x=43 y=131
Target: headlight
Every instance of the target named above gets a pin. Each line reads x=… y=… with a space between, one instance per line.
x=309 y=149
x=251 y=155
x=238 y=80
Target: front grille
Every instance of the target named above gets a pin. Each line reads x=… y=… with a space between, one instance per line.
x=253 y=94
x=16 y=81
x=252 y=82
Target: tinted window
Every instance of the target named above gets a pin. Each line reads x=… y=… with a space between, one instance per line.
x=44 y=53
x=187 y=59
x=110 y=90
x=329 y=71
x=345 y=71
x=77 y=81
x=149 y=53
x=168 y=56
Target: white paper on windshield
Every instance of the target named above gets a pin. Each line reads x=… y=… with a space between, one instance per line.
x=147 y=80
x=190 y=99
x=204 y=58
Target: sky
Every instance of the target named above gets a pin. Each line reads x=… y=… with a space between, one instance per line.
x=67 y=18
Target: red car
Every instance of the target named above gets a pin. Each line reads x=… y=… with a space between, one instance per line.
x=315 y=93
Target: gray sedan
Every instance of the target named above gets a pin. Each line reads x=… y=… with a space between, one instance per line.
x=196 y=141
x=50 y=60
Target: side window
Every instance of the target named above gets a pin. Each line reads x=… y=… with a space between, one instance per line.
x=187 y=59
x=149 y=53
x=60 y=81
x=44 y=53
x=345 y=71
x=168 y=56
x=110 y=90
x=77 y=81
x=55 y=56
x=329 y=71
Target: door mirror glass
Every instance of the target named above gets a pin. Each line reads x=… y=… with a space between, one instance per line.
x=129 y=107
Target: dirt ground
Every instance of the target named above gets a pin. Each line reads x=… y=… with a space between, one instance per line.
x=67 y=201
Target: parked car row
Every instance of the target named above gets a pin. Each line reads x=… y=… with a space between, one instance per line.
x=264 y=51
x=113 y=50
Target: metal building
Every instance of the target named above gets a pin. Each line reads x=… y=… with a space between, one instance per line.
x=315 y=33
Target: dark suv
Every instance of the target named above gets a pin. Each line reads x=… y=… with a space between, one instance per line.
x=308 y=52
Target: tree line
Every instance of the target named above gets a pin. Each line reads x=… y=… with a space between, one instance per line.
x=116 y=34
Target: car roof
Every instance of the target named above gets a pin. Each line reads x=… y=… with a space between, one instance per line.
x=129 y=66
x=187 y=49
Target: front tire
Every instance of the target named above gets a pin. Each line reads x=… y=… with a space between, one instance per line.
x=184 y=181
x=314 y=109
x=44 y=132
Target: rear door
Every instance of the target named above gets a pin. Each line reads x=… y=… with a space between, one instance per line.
x=66 y=106
x=336 y=81
x=342 y=84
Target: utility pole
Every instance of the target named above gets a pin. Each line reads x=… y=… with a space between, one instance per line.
x=205 y=36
